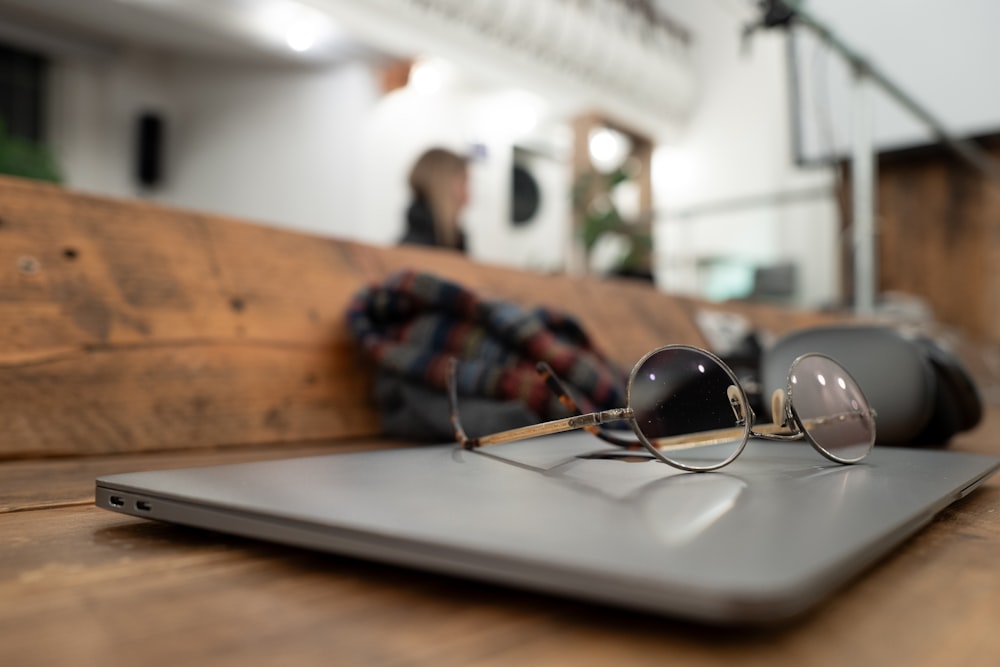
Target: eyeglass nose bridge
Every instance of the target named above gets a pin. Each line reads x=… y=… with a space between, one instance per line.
x=781 y=412
x=736 y=403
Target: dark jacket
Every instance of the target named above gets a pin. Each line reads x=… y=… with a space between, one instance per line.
x=420 y=228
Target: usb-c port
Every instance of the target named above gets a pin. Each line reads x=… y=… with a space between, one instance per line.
x=116 y=501
x=142 y=505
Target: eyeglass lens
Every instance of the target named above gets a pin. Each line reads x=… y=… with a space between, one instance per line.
x=678 y=391
x=831 y=408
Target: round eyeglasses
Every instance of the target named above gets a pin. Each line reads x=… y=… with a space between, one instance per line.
x=688 y=409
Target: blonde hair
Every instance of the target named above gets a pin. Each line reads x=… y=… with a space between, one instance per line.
x=433 y=178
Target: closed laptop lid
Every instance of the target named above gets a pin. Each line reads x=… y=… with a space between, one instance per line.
x=759 y=541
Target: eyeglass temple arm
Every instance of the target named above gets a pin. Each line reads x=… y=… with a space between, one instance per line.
x=686 y=441
x=591 y=421
x=719 y=436
x=764 y=431
x=546 y=428
x=535 y=430
x=559 y=388
x=725 y=435
x=784 y=427
x=792 y=432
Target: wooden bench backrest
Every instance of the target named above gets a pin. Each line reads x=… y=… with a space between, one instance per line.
x=126 y=326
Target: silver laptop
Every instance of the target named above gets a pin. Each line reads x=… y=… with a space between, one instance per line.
x=763 y=540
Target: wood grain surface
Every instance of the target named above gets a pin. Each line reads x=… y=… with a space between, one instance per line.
x=128 y=326
x=32 y=484
x=137 y=337
x=82 y=586
x=939 y=236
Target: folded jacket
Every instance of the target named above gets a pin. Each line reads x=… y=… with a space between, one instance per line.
x=414 y=322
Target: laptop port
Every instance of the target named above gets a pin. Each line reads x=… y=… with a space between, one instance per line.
x=116 y=501
x=143 y=505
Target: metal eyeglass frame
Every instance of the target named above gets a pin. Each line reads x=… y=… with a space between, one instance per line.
x=787 y=424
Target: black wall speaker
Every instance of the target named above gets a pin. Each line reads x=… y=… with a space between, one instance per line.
x=525 y=195
x=150 y=135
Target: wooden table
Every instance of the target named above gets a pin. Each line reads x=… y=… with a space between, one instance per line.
x=135 y=336
x=83 y=586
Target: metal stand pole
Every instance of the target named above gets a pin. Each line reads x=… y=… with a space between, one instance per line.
x=863 y=187
x=863 y=167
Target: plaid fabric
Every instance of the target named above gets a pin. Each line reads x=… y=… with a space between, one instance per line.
x=414 y=322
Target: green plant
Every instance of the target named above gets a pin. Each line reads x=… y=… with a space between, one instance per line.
x=593 y=205
x=20 y=157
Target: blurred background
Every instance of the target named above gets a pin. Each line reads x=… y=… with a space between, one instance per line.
x=702 y=145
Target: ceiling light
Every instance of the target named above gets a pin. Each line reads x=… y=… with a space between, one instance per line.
x=300 y=37
x=608 y=149
x=428 y=75
x=300 y=27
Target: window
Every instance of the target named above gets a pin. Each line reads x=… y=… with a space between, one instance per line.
x=22 y=93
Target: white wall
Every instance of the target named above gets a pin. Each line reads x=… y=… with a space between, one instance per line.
x=737 y=146
x=94 y=102
x=280 y=146
x=406 y=122
x=399 y=127
x=276 y=145
x=321 y=150
x=941 y=55
x=314 y=149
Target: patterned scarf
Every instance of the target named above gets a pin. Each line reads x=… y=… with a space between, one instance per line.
x=414 y=322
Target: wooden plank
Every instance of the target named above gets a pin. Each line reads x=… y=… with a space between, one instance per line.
x=182 y=395
x=40 y=483
x=938 y=236
x=81 y=271
x=933 y=239
x=85 y=586
x=34 y=484
x=129 y=326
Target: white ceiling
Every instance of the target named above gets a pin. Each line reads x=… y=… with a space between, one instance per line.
x=245 y=30
x=651 y=95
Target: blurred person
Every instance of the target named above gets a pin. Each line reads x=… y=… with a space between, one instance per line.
x=439 y=185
